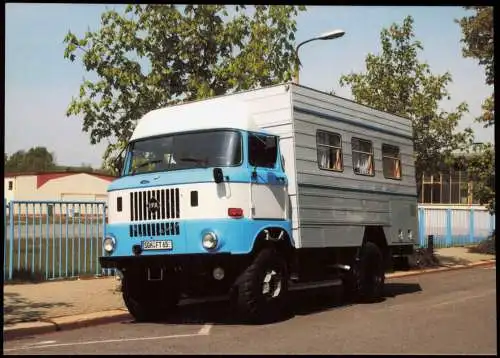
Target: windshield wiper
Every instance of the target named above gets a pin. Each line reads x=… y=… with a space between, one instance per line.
x=195 y=160
x=146 y=163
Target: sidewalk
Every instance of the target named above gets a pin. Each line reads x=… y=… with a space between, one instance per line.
x=48 y=300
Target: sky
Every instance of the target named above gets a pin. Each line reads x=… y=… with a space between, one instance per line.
x=40 y=82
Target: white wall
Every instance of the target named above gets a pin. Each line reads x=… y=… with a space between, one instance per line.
x=9 y=194
x=72 y=187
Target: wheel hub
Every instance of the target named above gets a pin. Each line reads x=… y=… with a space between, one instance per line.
x=271 y=286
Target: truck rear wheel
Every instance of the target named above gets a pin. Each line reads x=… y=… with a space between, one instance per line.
x=262 y=288
x=365 y=280
x=149 y=301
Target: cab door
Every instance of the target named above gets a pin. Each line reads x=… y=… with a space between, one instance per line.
x=268 y=181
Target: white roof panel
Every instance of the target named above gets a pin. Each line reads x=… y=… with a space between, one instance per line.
x=219 y=112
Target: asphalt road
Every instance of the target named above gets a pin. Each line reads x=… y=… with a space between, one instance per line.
x=441 y=313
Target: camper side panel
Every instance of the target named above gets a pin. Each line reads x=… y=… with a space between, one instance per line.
x=335 y=206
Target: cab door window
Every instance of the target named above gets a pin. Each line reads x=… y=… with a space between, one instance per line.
x=262 y=151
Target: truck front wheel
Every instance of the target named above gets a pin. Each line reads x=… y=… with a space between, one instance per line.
x=149 y=301
x=263 y=286
x=365 y=281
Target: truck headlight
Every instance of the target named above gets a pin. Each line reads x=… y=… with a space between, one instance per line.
x=209 y=241
x=109 y=244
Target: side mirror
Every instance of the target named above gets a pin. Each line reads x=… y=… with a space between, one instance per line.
x=218 y=175
x=119 y=164
x=119 y=161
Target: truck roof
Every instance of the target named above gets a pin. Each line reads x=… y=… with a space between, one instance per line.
x=234 y=111
x=214 y=113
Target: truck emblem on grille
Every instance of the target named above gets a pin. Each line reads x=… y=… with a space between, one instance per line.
x=153 y=205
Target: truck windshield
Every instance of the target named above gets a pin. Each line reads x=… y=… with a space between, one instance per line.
x=219 y=148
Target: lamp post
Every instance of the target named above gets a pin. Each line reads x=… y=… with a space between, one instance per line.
x=335 y=34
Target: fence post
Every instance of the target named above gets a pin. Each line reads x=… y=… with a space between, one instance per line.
x=430 y=244
x=471 y=225
x=11 y=241
x=421 y=226
x=448 y=228
x=103 y=272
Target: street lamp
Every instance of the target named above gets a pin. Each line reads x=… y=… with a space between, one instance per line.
x=335 y=34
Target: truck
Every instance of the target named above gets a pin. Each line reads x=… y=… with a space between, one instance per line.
x=257 y=193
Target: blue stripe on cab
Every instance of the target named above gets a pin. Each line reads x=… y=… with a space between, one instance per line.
x=235 y=236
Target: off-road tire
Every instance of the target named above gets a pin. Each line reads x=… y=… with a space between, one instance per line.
x=252 y=305
x=149 y=301
x=365 y=281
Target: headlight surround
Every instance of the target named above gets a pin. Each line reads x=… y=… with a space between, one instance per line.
x=209 y=241
x=109 y=244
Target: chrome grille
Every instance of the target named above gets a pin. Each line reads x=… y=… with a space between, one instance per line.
x=154 y=204
x=154 y=229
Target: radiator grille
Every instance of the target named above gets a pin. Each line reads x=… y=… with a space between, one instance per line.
x=154 y=229
x=154 y=204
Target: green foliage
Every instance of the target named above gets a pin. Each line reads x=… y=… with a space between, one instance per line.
x=37 y=159
x=478 y=39
x=157 y=55
x=396 y=82
x=478 y=43
x=481 y=169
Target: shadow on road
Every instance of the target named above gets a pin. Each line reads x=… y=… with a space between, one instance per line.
x=397 y=289
x=18 y=309
x=301 y=303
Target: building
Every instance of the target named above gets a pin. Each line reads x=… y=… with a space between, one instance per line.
x=451 y=186
x=55 y=186
x=447 y=188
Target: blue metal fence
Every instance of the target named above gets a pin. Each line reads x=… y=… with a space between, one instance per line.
x=53 y=239
x=454 y=226
x=60 y=239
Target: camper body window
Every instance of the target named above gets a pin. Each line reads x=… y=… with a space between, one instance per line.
x=329 y=151
x=391 y=161
x=362 y=157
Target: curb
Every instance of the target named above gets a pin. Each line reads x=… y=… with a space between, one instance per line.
x=24 y=329
x=440 y=269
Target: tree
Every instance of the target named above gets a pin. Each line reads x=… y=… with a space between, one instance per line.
x=478 y=43
x=396 y=82
x=481 y=170
x=37 y=159
x=158 y=55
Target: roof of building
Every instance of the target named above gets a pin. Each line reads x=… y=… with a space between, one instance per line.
x=58 y=172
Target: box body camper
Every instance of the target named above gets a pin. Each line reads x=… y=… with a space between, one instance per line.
x=254 y=193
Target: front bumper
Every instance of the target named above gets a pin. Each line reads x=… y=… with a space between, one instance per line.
x=185 y=265
x=169 y=260
x=193 y=273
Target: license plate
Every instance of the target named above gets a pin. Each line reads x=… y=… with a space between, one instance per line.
x=157 y=245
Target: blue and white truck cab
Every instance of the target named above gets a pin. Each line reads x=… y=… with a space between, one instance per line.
x=212 y=199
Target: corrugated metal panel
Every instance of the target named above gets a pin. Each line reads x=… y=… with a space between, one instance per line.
x=338 y=202
x=349 y=110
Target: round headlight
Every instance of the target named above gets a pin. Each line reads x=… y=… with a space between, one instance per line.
x=209 y=241
x=109 y=244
